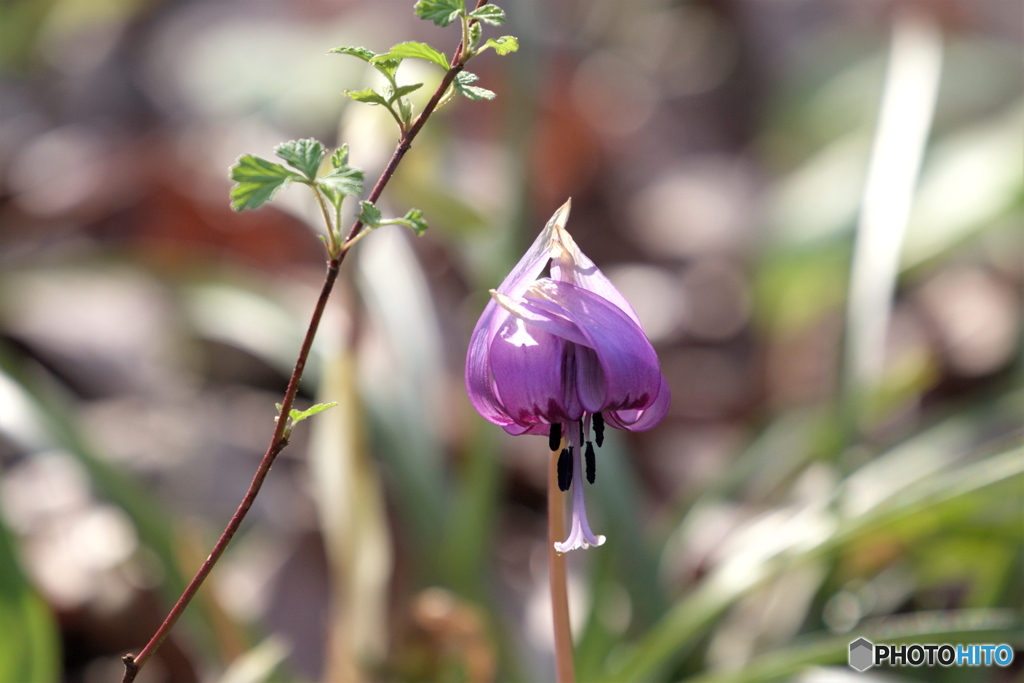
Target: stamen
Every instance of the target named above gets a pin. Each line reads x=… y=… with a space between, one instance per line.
x=565 y=469
x=555 y=437
x=599 y=429
x=591 y=468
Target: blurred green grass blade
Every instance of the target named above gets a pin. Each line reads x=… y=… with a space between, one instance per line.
x=350 y=504
x=973 y=177
x=936 y=495
x=618 y=515
x=959 y=626
x=29 y=642
x=150 y=520
x=258 y=664
x=471 y=519
x=401 y=379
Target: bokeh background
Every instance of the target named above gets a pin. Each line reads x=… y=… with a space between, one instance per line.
x=815 y=207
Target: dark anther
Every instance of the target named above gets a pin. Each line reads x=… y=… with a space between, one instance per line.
x=582 y=435
x=598 y=429
x=591 y=468
x=565 y=469
x=555 y=436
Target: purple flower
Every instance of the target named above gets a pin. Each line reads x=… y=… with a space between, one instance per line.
x=561 y=354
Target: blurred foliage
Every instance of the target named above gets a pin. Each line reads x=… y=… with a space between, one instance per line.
x=896 y=515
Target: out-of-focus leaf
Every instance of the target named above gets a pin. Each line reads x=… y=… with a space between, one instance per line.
x=972 y=178
x=462 y=86
x=441 y=12
x=503 y=45
x=491 y=14
x=404 y=340
x=360 y=52
x=820 y=198
x=350 y=503
x=413 y=50
x=111 y=482
x=258 y=664
x=806 y=535
x=257 y=180
x=305 y=155
x=29 y=647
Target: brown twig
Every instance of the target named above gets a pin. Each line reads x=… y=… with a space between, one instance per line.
x=134 y=663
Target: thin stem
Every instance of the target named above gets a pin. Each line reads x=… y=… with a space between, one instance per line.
x=132 y=663
x=332 y=228
x=565 y=671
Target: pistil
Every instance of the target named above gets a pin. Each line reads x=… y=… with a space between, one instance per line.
x=580 y=535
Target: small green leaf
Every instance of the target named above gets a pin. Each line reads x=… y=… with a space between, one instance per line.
x=475 y=31
x=342 y=182
x=404 y=90
x=369 y=214
x=388 y=67
x=305 y=155
x=360 y=52
x=298 y=416
x=413 y=219
x=340 y=157
x=256 y=181
x=463 y=87
x=502 y=45
x=405 y=109
x=369 y=95
x=413 y=50
x=491 y=14
x=441 y=12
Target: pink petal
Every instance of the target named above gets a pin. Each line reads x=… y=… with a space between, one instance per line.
x=618 y=369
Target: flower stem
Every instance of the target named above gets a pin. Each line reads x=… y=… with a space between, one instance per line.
x=565 y=671
x=134 y=663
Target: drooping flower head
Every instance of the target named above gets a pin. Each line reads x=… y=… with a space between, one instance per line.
x=559 y=355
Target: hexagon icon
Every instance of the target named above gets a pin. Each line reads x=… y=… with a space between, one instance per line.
x=862 y=654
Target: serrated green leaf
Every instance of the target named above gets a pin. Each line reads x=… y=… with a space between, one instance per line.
x=340 y=157
x=369 y=95
x=360 y=52
x=404 y=90
x=304 y=155
x=413 y=219
x=369 y=214
x=475 y=31
x=413 y=50
x=388 y=67
x=256 y=181
x=342 y=182
x=491 y=14
x=462 y=86
x=298 y=416
x=502 y=45
x=441 y=12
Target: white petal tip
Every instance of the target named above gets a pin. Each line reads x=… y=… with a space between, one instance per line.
x=578 y=544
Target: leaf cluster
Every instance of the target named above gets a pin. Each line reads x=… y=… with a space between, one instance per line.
x=257 y=180
x=442 y=13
